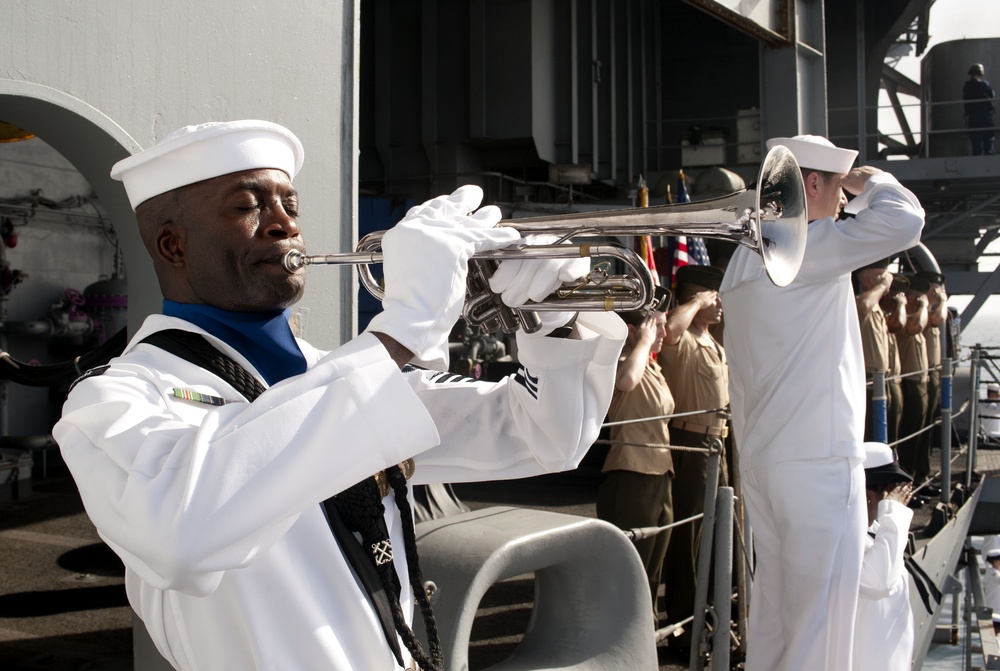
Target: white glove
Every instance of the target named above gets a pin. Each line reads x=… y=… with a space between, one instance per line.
x=425 y=260
x=520 y=280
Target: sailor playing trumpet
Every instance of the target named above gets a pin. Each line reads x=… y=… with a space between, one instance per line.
x=231 y=465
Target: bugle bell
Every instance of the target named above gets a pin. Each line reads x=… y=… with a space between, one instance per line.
x=769 y=219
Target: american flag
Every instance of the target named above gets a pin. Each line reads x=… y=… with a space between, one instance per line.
x=684 y=249
x=697 y=252
x=680 y=255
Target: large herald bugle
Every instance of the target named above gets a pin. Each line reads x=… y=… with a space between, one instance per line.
x=769 y=219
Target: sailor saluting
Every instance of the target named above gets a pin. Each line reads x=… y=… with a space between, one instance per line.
x=797 y=389
x=232 y=466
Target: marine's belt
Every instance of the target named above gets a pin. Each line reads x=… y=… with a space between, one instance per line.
x=720 y=431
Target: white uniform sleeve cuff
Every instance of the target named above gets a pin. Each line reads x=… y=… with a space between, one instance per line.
x=601 y=337
x=862 y=200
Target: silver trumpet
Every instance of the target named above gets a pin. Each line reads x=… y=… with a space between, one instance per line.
x=769 y=219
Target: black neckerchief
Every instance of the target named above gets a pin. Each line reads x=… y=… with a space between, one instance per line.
x=926 y=588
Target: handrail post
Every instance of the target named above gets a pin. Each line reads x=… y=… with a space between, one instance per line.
x=946 y=381
x=970 y=461
x=723 y=579
x=880 y=427
x=705 y=554
x=742 y=544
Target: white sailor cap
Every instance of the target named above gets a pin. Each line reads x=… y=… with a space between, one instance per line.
x=196 y=153
x=993 y=387
x=814 y=152
x=881 y=466
x=878 y=454
x=993 y=553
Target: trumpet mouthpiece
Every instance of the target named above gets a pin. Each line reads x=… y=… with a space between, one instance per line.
x=292 y=260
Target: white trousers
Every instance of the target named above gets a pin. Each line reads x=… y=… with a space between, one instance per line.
x=808 y=519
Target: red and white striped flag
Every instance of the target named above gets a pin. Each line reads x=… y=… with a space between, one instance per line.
x=681 y=258
x=644 y=244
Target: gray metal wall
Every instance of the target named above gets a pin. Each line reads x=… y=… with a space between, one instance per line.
x=495 y=91
x=98 y=80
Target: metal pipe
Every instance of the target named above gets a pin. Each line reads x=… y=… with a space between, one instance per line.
x=946 y=381
x=879 y=424
x=742 y=546
x=723 y=579
x=968 y=606
x=705 y=554
x=4 y=411
x=859 y=42
x=970 y=460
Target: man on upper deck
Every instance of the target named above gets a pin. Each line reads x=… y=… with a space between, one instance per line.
x=797 y=389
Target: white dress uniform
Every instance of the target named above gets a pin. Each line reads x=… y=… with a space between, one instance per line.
x=797 y=392
x=883 y=638
x=989 y=417
x=216 y=512
x=991 y=579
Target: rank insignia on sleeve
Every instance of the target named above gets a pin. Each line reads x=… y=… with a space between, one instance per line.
x=198 y=397
x=441 y=378
x=527 y=380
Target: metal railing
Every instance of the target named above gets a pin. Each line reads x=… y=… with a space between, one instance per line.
x=726 y=540
x=980 y=360
x=711 y=623
x=933 y=120
x=937 y=119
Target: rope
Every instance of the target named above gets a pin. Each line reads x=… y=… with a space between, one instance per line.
x=654 y=446
x=917 y=433
x=642 y=533
x=398 y=482
x=930 y=478
x=889 y=378
x=362 y=510
x=722 y=412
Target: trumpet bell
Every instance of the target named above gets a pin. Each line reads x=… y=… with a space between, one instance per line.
x=783 y=223
x=769 y=219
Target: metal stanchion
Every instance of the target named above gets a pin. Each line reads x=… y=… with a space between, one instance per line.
x=705 y=556
x=880 y=427
x=741 y=562
x=967 y=610
x=946 y=430
x=750 y=566
x=723 y=579
x=970 y=460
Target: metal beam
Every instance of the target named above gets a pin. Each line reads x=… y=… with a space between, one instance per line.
x=859 y=37
x=988 y=288
x=989 y=235
x=793 y=80
x=893 y=92
x=902 y=83
x=948 y=224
